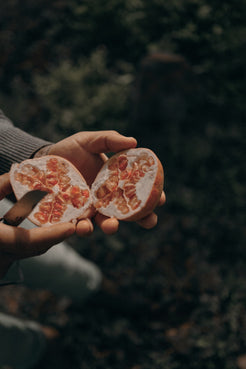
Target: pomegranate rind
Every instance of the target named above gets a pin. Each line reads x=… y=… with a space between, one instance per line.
x=145 y=191
x=62 y=203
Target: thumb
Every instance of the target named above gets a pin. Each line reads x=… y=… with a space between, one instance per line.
x=106 y=141
x=43 y=238
x=22 y=243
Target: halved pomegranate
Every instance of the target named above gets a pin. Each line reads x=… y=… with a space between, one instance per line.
x=69 y=196
x=128 y=187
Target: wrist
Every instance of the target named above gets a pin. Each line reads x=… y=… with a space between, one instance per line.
x=42 y=151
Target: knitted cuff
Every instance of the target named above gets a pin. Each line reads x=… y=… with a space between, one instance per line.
x=17 y=146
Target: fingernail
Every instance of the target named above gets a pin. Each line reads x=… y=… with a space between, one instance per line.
x=133 y=139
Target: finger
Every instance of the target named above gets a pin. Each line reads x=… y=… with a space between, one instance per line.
x=162 y=199
x=107 y=225
x=84 y=228
x=148 y=222
x=23 y=243
x=5 y=186
x=106 y=141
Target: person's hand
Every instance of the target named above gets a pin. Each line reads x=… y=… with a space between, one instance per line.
x=19 y=243
x=86 y=150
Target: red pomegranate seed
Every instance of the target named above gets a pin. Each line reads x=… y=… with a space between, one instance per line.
x=42 y=217
x=123 y=161
x=85 y=193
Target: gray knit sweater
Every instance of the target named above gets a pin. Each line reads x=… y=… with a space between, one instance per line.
x=15 y=144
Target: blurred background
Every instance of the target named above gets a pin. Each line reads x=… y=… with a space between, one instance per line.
x=171 y=73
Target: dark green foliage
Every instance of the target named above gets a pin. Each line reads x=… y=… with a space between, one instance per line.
x=39 y=37
x=76 y=65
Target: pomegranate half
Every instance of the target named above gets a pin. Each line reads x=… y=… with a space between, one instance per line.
x=129 y=185
x=69 y=196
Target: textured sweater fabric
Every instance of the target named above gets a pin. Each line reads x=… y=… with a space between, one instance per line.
x=15 y=144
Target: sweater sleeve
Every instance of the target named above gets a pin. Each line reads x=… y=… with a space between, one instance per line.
x=15 y=144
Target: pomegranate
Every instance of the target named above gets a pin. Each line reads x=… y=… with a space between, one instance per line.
x=69 y=196
x=128 y=187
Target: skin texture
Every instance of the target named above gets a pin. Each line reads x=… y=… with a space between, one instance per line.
x=86 y=150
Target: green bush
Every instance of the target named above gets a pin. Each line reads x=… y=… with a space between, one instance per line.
x=85 y=96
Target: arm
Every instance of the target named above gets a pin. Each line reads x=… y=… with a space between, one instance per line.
x=16 y=145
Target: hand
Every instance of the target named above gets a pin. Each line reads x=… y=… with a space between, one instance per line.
x=86 y=150
x=19 y=243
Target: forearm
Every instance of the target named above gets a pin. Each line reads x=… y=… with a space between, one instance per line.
x=15 y=144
